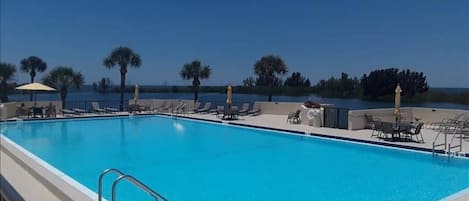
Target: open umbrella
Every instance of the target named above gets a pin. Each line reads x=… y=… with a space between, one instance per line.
x=136 y=93
x=397 y=103
x=35 y=87
x=229 y=94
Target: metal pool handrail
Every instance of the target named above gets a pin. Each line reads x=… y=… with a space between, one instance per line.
x=131 y=179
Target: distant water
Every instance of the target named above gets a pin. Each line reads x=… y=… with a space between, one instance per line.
x=82 y=97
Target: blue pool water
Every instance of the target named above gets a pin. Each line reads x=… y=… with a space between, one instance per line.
x=189 y=160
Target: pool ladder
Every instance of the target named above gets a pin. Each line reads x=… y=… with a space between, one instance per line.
x=131 y=179
x=457 y=130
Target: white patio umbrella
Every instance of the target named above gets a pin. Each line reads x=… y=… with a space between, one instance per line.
x=136 y=93
x=229 y=94
x=35 y=87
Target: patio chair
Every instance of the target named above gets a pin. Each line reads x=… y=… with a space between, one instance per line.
x=37 y=112
x=230 y=113
x=386 y=129
x=417 y=131
x=369 y=123
x=50 y=111
x=294 y=117
x=377 y=129
x=96 y=108
x=22 y=111
x=244 y=109
x=256 y=110
x=205 y=109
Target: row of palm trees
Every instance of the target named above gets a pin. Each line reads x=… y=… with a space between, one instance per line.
x=62 y=77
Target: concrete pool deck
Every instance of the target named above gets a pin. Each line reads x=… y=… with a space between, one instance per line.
x=279 y=122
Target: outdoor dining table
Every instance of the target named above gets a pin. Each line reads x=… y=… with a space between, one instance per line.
x=400 y=127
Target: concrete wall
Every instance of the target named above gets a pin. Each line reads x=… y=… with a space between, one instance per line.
x=34 y=179
x=278 y=108
x=9 y=109
x=356 y=118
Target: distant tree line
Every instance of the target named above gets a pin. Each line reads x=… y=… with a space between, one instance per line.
x=267 y=80
x=376 y=85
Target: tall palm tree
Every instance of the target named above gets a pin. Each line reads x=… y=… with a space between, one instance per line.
x=268 y=68
x=63 y=78
x=7 y=72
x=196 y=72
x=123 y=57
x=33 y=65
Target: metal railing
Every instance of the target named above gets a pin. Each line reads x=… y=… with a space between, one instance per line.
x=457 y=130
x=131 y=179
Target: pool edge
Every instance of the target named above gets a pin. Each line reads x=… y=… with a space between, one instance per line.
x=55 y=183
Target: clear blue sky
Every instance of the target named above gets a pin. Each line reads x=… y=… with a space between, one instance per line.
x=318 y=38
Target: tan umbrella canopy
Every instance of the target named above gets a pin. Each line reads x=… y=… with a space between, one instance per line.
x=136 y=93
x=397 y=103
x=229 y=94
x=35 y=87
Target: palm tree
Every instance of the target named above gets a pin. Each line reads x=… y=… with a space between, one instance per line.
x=267 y=68
x=63 y=78
x=123 y=57
x=7 y=72
x=195 y=71
x=33 y=65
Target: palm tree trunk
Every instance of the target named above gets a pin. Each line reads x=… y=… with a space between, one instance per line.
x=4 y=91
x=122 y=88
x=31 y=93
x=196 y=93
x=63 y=96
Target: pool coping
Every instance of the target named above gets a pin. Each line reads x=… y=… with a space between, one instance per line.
x=59 y=176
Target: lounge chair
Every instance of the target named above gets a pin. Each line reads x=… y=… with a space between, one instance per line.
x=179 y=108
x=220 y=110
x=96 y=108
x=256 y=110
x=194 y=108
x=68 y=112
x=165 y=107
x=79 y=111
x=244 y=109
x=206 y=108
x=294 y=117
x=445 y=122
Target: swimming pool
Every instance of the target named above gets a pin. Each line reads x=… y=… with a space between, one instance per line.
x=192 y=160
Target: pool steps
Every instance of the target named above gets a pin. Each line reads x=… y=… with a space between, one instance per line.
x=131 y=179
